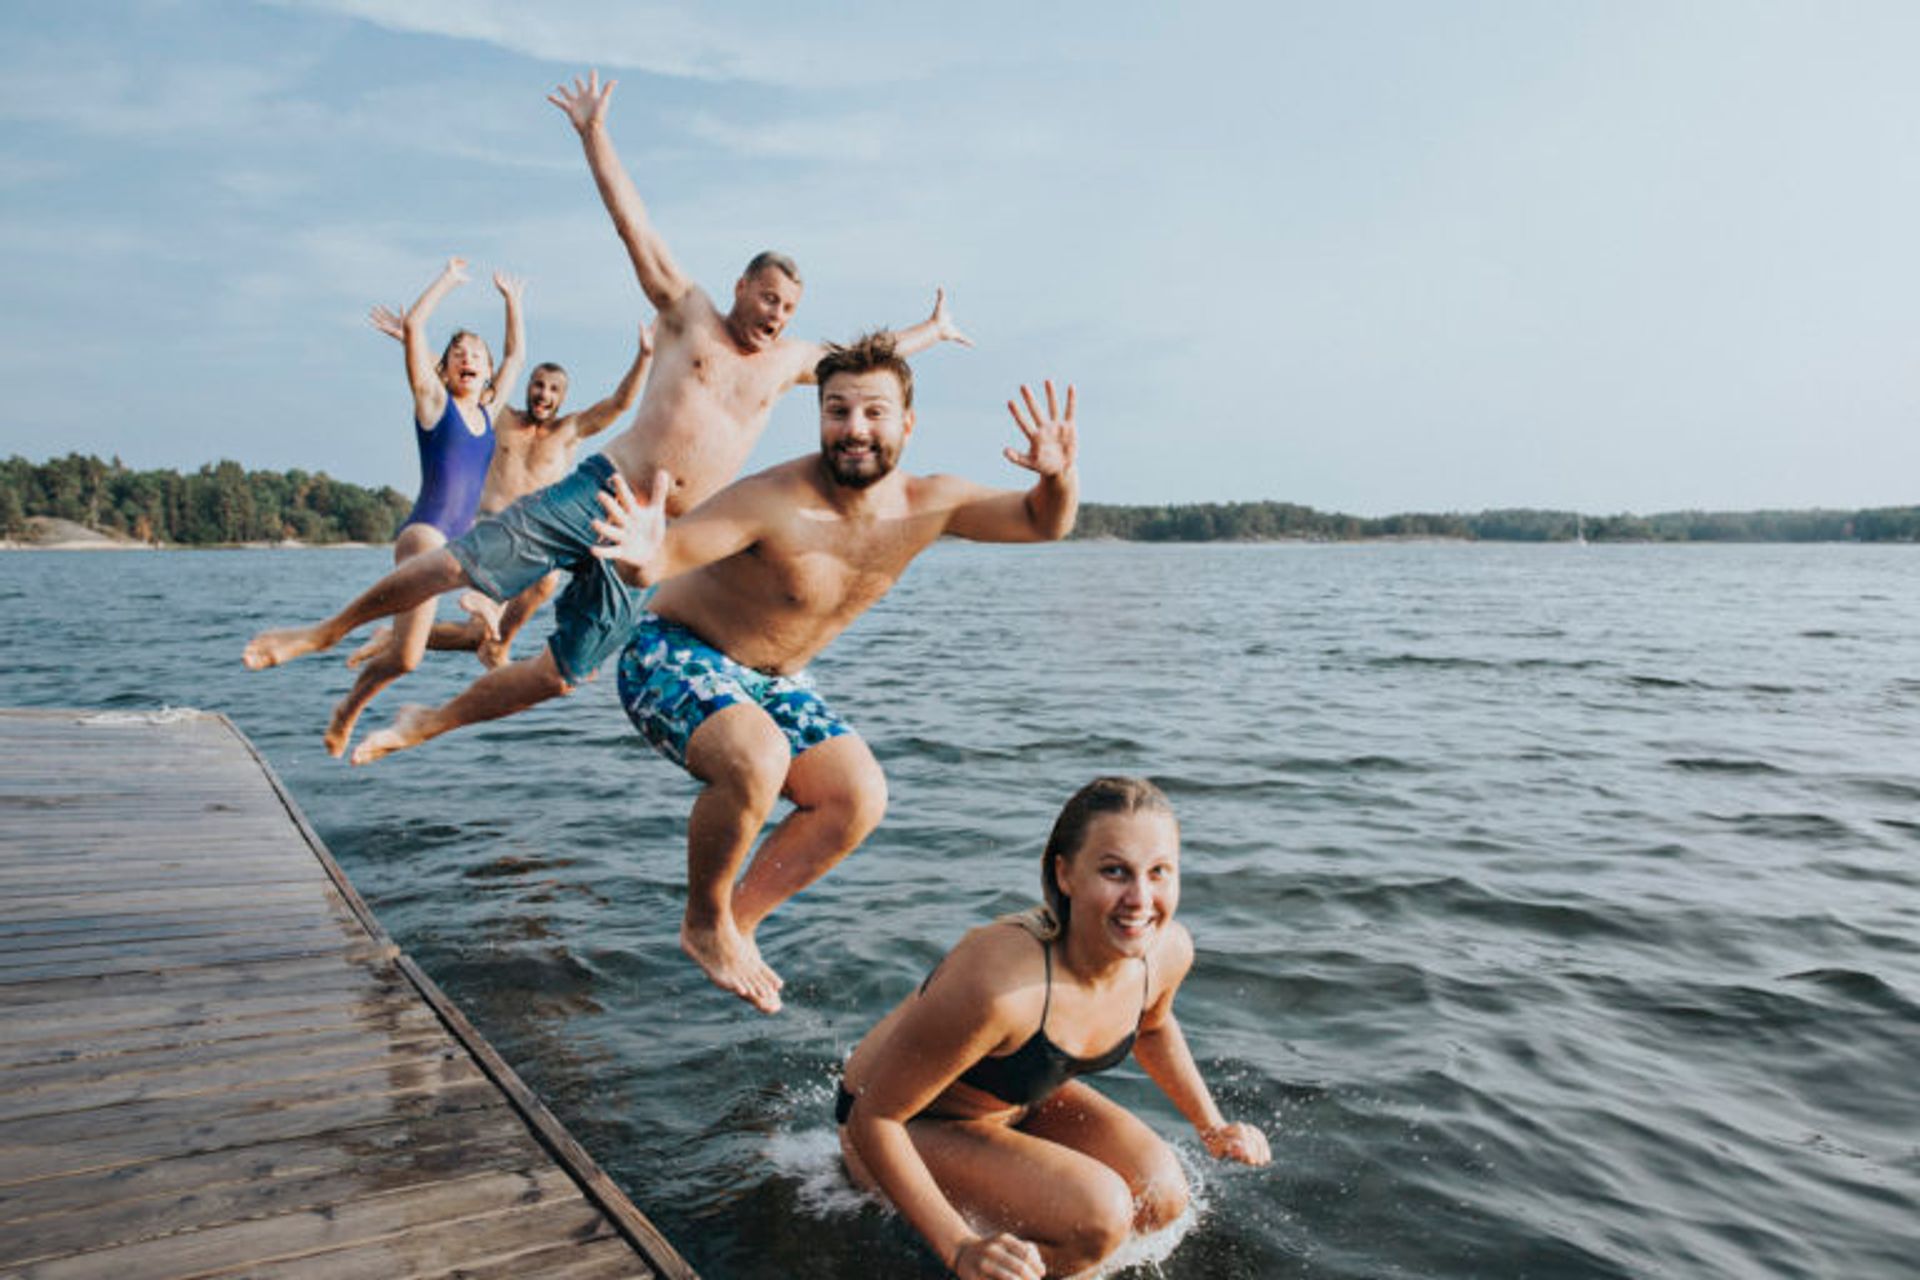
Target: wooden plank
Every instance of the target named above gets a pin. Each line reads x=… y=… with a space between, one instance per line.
x=173 y=876
x=474 y=1248
x=181 y=1072
x=161 y=953
x=127 y=1121
x=106 y=1008
x=102 y=1048
x=227 y=981
x=28 y=935
x=378 y=1147
x=395 y=1219
x=600 y=1256
x=95 y=1210
x=133 y=899
x=603 y=1258
x=133 y=962
x=54 y=1151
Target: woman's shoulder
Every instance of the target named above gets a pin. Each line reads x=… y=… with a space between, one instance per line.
x=997 y=943
x=1173 y=952
x=994 y=962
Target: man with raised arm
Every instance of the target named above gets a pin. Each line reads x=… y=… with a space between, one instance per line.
x=754 y=583
x=714 y=383
x=532 y=448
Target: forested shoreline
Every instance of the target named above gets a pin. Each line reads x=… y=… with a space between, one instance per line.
x=223 y=503
x=220 y=503
x=1269 y=521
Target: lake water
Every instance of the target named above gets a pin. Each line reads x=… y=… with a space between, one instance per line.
x=1558 y=908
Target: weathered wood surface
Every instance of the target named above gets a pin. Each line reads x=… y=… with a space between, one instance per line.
x=214 y=1062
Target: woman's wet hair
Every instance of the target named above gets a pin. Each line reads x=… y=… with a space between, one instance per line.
x=1101 y=796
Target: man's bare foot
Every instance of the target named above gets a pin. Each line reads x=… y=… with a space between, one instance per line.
x=493 y=654
x=271 y=648
x=409 y=729
x=340 y=726
x=379 y=640
x=733 y=964
x=485 y=610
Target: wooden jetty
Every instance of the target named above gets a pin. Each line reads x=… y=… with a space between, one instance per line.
x=213 y=1060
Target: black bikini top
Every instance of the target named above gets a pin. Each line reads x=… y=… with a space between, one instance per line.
x=1040 y=1066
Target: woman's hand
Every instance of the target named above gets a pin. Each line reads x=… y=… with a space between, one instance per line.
x=1237 y=1141
x=998 y=1257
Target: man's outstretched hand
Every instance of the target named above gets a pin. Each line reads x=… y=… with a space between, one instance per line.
x=1051 y=442
x=944 y=329
x=632 y=529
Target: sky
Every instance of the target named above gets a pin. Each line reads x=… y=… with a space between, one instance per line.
x=1375 y=256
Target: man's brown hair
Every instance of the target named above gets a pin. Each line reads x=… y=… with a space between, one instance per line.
x=868 y=353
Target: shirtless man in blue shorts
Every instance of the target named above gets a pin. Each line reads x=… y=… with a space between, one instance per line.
x=715 y=380
x=755 y=582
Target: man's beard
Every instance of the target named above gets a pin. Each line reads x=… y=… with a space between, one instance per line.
x=863 y=474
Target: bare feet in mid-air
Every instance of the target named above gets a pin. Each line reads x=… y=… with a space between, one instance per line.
x=484 y=609
x=407 y=730
x=271 y=648
x=379 y=640
x=493 y=654
x=340 y=725
x=732 y=962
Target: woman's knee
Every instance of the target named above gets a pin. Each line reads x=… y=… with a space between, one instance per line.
x=1163 y=1193
x=1101 y=1221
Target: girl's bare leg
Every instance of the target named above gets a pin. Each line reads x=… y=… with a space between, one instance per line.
x=403 y=653
x=417 y=578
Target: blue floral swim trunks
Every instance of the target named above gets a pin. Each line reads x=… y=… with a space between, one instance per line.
x=671 y=681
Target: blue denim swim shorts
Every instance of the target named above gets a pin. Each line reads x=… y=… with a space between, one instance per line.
x=504 y=554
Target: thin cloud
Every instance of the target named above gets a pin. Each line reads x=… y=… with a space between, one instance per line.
x=109 y=99
x=865 y=138
x=659 y=39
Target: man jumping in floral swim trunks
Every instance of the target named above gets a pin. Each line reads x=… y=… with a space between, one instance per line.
x=756 y=581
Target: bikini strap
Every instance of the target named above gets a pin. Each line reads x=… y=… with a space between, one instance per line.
x=1046 y=954
x=1146 y=990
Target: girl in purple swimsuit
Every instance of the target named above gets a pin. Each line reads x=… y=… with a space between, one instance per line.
x=453 y=403
x=962 y=1105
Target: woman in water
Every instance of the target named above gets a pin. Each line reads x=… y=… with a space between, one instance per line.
x=453 y=425
x=961 y=1105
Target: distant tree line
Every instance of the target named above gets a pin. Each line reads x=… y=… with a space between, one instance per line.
x=1258 y=521
x=224 y=503
x=219 y=503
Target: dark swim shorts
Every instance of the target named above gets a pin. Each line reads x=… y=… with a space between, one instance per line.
x=552 y=529
x=671 y=681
